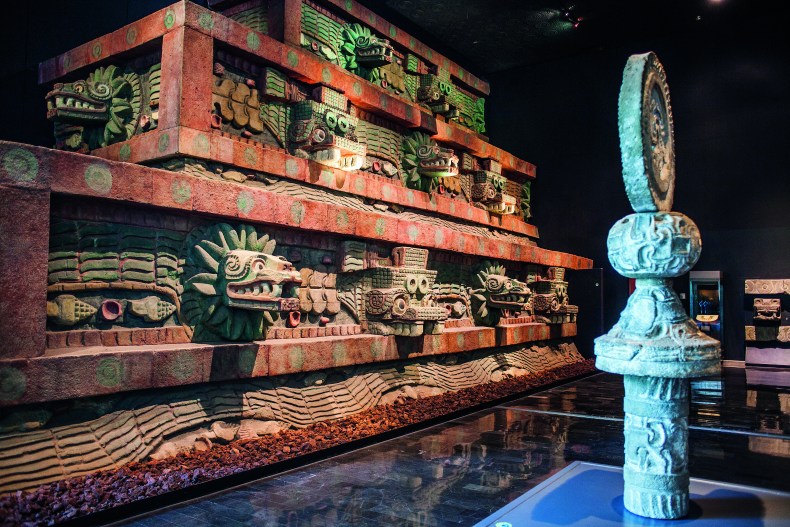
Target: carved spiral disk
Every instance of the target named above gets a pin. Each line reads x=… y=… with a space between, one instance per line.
x=646 y=135
x=493 y=284
x=233 y=266
x=378 y=302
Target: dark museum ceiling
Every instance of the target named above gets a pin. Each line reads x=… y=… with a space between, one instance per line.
x=494 y=35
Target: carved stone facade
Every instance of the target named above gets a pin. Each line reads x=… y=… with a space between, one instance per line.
x=767 y=287
x=292 y=203
x=219 y=282
x=195 y=417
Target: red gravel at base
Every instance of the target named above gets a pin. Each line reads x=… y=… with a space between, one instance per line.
x=78 y=496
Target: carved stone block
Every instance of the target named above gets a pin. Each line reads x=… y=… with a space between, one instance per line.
x=767 y=310
x=767 y=287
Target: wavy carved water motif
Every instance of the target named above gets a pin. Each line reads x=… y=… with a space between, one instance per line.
x=132 y=427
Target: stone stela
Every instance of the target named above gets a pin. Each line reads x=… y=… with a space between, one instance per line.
x=654 y=345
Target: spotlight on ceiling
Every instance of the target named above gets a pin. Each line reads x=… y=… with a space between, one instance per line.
x=570 y=15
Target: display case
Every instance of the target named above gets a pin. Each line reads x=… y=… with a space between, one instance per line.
x=706 y=303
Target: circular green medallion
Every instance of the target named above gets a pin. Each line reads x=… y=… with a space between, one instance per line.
x=381 y=226
x=20 y=164
x=109 y=372
x=253 y=40
x=182 y=367
x=125 y=152
x=131 y=35
x=297 y=212
x=293 y=58
x=181 y=191
x=12 y=384
x=170 y=18
x=164 y=142
x=206 y=21
x=98 y=178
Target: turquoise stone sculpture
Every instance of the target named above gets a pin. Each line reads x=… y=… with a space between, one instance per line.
x=654 y=345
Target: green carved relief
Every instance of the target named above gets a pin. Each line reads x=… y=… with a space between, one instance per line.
x=321 y=33
x=256 y=18
x=438 y=93
x=425 y=163
x=219 y=282
x=488 y=192
x=549 y=300
x=383 y=148
x=361 y=50
x=233 y=284
x=391 y=295
x=105 y=275
x=497 y=295
x=111 y=105
x=323 y=131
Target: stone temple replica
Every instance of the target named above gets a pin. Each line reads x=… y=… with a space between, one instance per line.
x=265 y=215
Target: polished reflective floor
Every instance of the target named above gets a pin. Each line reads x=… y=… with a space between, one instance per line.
x=459 y=472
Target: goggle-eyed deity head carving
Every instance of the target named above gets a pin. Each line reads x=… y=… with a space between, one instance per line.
x=327 y=136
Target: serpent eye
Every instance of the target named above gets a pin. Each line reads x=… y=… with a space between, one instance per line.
x=258 y=265
x=508 y=285
x=79 y=87
x=342 y=124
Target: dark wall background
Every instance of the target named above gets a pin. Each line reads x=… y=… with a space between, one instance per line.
x=730 y=87
x=730 y=91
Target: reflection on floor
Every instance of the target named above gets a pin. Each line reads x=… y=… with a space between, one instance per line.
x=459 y=472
